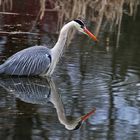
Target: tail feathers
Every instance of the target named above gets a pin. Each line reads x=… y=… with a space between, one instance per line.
x=1 y=69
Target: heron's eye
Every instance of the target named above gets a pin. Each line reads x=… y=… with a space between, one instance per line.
x=82 y=26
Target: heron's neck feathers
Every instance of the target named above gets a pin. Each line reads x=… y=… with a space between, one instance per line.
x=57 y=50
x=59 y=46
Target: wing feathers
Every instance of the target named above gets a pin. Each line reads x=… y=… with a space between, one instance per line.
x=33 y=61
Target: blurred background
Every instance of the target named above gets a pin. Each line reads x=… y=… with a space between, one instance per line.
x=104 y=75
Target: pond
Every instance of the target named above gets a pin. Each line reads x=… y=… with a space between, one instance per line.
x=102 y=76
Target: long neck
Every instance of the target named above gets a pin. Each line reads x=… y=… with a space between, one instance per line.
x=57 y=50
x=59 y=46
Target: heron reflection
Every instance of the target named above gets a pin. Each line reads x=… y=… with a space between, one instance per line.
x=37 y=90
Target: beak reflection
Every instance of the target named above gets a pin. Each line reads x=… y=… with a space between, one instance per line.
x=85 y=117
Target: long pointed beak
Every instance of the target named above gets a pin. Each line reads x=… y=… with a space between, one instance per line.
x=90 y=34
x=85 y=117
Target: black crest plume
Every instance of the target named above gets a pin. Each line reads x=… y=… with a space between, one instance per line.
x=80 y=22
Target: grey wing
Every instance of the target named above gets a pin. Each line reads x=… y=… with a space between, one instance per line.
x=28 y=64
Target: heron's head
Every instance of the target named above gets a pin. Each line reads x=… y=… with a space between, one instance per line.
x=76 y=124
x=82 y=28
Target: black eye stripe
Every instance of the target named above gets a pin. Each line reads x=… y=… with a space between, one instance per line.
x=80 y=22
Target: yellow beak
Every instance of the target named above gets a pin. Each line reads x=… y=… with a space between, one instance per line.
x=90 y=34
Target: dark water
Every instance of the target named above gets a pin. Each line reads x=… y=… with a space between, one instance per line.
x=88 y=75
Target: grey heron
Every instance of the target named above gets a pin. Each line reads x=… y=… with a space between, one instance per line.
x=40 y=60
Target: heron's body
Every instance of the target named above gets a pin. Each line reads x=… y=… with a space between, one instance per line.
x=31 y=61
x=40 y=60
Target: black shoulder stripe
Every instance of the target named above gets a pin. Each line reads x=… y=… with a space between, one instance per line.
x=49 y=56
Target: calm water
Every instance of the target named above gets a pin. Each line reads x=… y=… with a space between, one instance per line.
x=88 y=75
